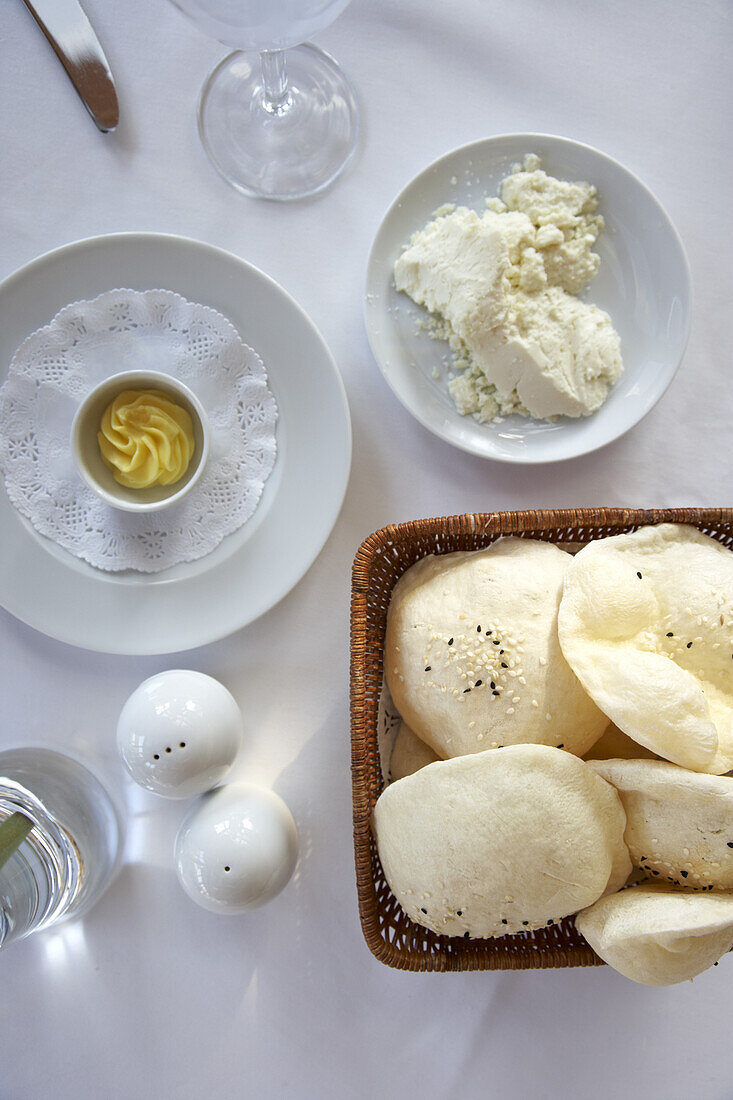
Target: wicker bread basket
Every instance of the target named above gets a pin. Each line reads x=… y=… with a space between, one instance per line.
x=379 y=563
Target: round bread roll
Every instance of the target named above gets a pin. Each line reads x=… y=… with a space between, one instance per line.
x=502 y=841
x=657 y=935
x=472 y=656
x=615 y=745
x=646 y=622
x=409 y=753
x=679 y=824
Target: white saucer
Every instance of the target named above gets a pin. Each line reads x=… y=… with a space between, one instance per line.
x=190 y=604
x=643 y=283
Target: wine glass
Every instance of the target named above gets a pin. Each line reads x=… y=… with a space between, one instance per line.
x=281 y=125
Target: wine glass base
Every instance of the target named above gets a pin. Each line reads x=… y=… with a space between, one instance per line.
x=287 y=154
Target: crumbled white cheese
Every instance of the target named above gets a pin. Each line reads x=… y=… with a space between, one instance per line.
x=501 y=287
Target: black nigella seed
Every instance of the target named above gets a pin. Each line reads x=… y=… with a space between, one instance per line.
x=730 y=843
x=493 y=685
x=715 y=964
x=561 y=746
x=466 y=690
x=549 y=922
x=423 y=910
x=525 y=922
x=503 y=921
x=689 y=645
x=639 y=575
x=495 y=693
x=459 y=912
x=504 y=664
x=496 y=641
x=684 y=874
x=501 y=652
x=642 y=859
x=428 y=668
x=670 y=635
x=466 y=935
x=654 y=872
x=489 y=632
x=478 y=683
x=450 y=641
x=478 y=629
x=157 y=757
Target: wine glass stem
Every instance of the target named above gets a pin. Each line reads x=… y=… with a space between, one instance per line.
x=275 y=93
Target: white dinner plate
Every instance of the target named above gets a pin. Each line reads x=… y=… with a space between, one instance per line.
x=643 y=283
x=189 y=604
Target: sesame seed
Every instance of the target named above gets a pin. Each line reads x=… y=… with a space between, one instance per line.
x=510 y=710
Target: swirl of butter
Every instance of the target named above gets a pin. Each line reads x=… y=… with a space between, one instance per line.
x=146 y=439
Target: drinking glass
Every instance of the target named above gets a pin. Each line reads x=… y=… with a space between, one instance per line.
x=281 y=125
x=59 y=840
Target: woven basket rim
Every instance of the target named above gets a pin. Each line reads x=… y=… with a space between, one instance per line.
x=494 y=524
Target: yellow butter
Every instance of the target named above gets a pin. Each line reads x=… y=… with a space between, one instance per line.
x=146 y=439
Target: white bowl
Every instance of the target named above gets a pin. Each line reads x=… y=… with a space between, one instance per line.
x=643 y=283
x=88 y=457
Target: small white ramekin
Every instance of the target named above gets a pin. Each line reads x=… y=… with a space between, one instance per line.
x=88 y=457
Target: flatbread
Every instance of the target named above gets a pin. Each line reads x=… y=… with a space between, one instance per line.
x=409 y=753
x=503 y=841
x=646 y=622
x=657 y=935
x=472 y=656
x=679 y=823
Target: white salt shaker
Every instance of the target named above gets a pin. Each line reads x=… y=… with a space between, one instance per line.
x=179 y=733
x=236 y=849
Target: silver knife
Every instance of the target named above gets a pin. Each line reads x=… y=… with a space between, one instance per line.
x=77 y=47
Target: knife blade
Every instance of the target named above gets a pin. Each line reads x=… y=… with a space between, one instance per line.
x=77 y=47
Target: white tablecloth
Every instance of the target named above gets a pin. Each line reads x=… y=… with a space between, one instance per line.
x=151 y=996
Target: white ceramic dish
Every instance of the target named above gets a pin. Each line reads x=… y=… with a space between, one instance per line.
x=88 y=458
x=250 y=571
x=643 y=283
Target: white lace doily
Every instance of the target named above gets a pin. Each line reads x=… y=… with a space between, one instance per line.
x=121 y=330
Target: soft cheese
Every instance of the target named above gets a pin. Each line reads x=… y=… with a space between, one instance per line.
x=504 y=284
